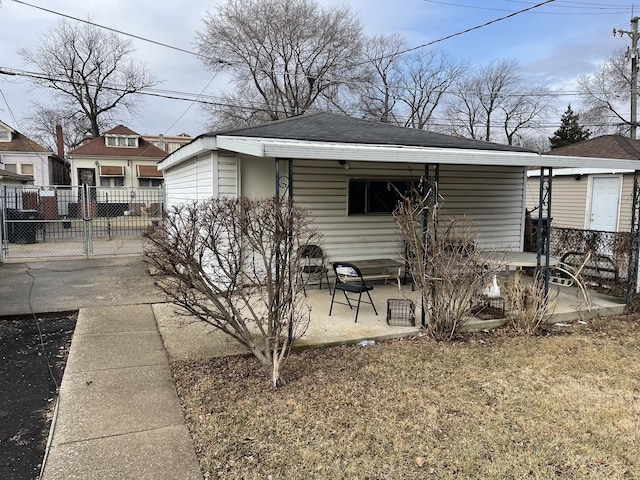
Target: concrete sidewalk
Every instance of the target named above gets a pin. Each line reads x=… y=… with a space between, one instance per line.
x=118 y=412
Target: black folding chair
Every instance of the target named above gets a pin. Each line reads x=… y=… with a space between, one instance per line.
x=349 y=280
x=312 y=265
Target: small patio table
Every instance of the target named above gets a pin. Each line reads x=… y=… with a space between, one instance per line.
x=380 y=269
x=519 y=260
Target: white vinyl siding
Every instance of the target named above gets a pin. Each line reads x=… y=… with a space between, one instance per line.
x=201 y=178
x=491 y=196
x=228 y=176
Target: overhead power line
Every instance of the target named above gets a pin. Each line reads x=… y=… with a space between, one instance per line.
x=471 y=29
x=138 y=37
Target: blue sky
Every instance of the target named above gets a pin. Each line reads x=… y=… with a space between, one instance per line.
x=554 y=43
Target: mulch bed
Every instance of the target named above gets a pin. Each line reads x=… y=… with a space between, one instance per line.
x=33 y=354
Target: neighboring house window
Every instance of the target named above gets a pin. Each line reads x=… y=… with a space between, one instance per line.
x=173 y=146
x=26 y=169
x=121 y=141
x=5 y=136
x=375 y=196
x=149 y=176
x=21 y=168
x=150 y=182
x=111 y=176
x=112 y=181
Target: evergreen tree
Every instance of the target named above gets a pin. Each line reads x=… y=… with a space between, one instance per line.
x=570 y=130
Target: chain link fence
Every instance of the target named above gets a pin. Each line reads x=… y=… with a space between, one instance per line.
x=609 y=262
x=41 y=222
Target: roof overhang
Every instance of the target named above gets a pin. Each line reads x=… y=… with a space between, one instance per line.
x=198 y=146
x=282 y=148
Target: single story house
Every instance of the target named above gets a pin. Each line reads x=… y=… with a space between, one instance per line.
x=338 y=167
x=592 y=198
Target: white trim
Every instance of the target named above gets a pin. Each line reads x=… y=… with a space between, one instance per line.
x=582 y=171
x=188 y=151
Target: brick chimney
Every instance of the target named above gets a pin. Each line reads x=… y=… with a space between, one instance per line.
x=60 y=140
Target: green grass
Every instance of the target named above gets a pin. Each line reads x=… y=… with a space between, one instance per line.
x=563 y=405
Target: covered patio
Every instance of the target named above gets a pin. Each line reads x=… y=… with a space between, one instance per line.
x=331 y=164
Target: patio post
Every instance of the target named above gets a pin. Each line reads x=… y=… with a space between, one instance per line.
x=543 y=243
x=289 y=248
x=430 y=197
x=634 y=241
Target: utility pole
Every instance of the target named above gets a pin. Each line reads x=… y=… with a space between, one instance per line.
x=633 y=53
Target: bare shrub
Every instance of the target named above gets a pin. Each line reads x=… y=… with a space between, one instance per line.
x=529 y=307
x=444 y=262
x=230 y=262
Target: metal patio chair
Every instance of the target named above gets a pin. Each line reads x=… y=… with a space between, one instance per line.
x=313 y=266
x=349 y=281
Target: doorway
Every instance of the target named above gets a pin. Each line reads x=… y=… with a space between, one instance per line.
x=605 y=203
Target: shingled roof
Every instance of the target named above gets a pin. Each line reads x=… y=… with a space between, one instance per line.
x=330 y=127
x=606 y=146
x=97 y=146
x=21 y=143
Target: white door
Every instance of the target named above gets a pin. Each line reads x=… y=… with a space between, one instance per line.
x=605 y=199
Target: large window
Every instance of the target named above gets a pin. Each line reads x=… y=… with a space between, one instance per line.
x=375 y=196
x=121 y=141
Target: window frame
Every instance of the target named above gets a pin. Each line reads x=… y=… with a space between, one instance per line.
x=373 y=204
x=3 y=138
x=121 y=141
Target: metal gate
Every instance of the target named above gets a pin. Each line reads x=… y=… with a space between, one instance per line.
x=44 y=222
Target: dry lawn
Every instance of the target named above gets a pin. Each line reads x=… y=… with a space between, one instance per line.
x=562 y=405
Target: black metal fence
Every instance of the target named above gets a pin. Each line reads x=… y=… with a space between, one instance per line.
x=64 y=220
x=609 y=260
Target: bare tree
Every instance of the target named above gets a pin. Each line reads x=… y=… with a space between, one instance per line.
x=379 y=94
x=444 y=262
x=90 y=71
x=605 y=95
x=525 y=112
x=479 y=97
x=493 y=97
x=284 y=55
x=230 y=262
x=428 y=75
x=41 y=124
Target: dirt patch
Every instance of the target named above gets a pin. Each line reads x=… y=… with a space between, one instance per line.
x=33 y=356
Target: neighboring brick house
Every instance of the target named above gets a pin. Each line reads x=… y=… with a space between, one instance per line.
x=120 y=157
x=22 y=156
x=592 y=198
